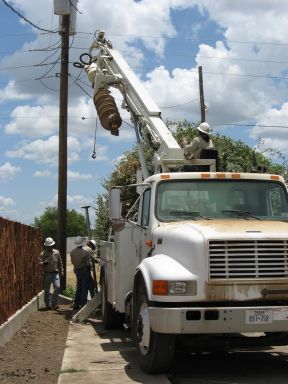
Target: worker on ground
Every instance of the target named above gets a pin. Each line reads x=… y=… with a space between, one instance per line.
x=52 y=264
x=90 y=247
x=201 y=141
x=81 y=261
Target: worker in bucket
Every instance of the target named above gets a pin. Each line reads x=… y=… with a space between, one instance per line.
x=51 y=262
x=200 y=142
x=81 y=261
x=90 y=247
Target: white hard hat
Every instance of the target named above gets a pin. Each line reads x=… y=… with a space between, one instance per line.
x=79 y=240
x=93 y=242
x=49 y=242
x=204 y=128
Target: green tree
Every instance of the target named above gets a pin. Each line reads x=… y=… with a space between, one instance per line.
x=48 y=221
x=234 y=156
x=102 y=217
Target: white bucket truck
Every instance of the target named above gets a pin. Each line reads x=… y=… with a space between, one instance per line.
x=199 y=253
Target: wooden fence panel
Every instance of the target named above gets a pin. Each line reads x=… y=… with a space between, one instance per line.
x=20 y=272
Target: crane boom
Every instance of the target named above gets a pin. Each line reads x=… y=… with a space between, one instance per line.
x=109 y=69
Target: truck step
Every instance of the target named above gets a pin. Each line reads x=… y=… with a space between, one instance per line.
x=91 y=306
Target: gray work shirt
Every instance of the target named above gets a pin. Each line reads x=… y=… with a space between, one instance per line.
x=80 y=258
x=51 y=261
x=92 y=253
x=193 y=150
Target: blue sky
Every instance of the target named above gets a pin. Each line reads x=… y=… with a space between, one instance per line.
x=241 y=45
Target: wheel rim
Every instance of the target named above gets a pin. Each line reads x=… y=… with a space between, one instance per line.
x=143 y=331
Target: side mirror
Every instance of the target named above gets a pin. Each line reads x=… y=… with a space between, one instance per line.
x=115 y=203
x=117 y=223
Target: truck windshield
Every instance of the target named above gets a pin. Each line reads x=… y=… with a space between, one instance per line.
x=229 y=199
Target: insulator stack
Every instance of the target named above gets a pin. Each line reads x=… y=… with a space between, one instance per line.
x=107 y=111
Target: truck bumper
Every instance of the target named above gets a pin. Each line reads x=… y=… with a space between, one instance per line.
x=219 y=320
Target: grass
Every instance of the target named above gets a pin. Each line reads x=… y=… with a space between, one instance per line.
x=69 y=291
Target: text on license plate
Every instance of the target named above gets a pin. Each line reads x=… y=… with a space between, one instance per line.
x=259 y=316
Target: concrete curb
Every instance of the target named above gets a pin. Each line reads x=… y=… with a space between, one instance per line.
x=16 y=321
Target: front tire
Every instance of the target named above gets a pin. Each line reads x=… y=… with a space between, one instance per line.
x=154 y=350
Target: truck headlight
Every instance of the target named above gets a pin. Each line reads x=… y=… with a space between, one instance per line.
x=177 y=288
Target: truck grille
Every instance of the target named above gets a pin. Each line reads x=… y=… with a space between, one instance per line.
x=241 y=259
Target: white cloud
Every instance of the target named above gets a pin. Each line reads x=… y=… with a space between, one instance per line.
x=33 y=121
x=73 y=201
x=10 y=93
x=46 y=151
x=75 y=176
x=272 y=128
x=77 y=201
x=6 y=202
x=8 y=171
x=42 y=173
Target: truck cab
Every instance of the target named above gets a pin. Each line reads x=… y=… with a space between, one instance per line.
x=201 y=253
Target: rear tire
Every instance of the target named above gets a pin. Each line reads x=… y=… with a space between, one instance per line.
x=111 y=319
x=154 y=350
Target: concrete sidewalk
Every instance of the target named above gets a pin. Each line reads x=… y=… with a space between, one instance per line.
x=94 y=355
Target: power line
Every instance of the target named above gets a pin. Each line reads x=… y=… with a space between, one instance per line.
x=161 y=69
x=165 y=55
x=250 y=125
x=24 y=18
x=179 y=105
x=46 y=86
x=24 y=34
x=193 y=39
x=78 y=85
x=24 y=80
x=26 y=66
x=154 y=37
x=93 y=117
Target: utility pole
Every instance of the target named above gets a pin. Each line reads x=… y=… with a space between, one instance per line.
x=62 y=171
x=201 y=92
x=86 y=207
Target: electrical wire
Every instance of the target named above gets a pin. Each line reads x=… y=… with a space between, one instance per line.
x=75 y=7
x=52 y=54
x=24 y=34
x=24 y=80
x=46 y=86
x=130 y=125
x=50 y=69
x=179 y=105
x=78 y=85
x=190 y=39
x=153 y=37
x=165 y=55
x=26 y=66
x=24 y=18
x=83 y=82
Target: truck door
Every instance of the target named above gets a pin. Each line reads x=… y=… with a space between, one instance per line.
x=142 y=231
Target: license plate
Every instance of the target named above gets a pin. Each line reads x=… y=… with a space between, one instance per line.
x=259 y=316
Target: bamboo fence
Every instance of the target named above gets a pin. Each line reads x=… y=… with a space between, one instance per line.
x=20 y=272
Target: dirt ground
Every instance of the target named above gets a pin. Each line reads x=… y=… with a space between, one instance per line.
x=35 y=352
